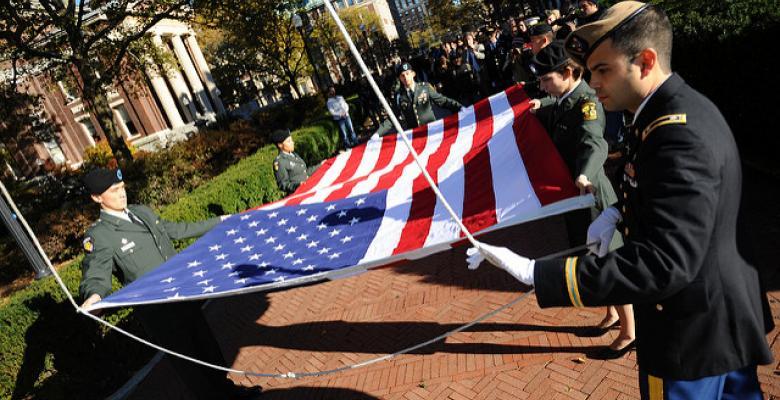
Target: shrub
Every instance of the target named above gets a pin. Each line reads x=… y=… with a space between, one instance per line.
x=251 y=182
x=300 y=112
x=99 y=155
x=731 y=38
x=50 y=352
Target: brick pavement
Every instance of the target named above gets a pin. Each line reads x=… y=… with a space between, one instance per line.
x=522 y=353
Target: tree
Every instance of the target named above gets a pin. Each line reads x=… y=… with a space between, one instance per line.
x=89 y=40
x=446 y=15
x=327 y=35
x=260 y=35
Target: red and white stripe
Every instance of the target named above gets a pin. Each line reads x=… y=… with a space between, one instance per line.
x=493 y=162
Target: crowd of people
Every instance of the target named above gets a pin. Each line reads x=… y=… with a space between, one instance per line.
x=478 y=62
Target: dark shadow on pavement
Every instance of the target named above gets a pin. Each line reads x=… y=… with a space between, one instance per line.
x=315 y=393
x=389 y=337
x=66 y=350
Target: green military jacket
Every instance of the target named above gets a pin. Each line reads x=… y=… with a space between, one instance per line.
x=130 y=249
x=576 y=126
x=290 y=171
x=417 y=109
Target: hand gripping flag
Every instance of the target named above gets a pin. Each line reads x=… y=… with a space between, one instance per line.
x=371 y=206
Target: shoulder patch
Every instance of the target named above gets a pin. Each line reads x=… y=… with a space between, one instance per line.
x=88 y=244
x=589 y=112
x=276 y=165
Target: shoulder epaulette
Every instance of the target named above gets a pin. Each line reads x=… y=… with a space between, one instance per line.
x=671 y=119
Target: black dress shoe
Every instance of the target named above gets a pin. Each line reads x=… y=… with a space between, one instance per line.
x=607 y=353
x=596 y=331
x=246 y=392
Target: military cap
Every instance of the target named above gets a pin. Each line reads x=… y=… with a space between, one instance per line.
x=280 y=135
x=531 y=21
x=549 y=59
x=99 y=180
x=404 y=67
x=539 y=29
x=581 y=43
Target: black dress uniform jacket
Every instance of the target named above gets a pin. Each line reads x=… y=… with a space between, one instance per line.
x=697 y=303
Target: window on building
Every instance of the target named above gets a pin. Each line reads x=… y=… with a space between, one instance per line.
x=55 y=151
x=67 y=91
x=89 y=129
x=125 y=119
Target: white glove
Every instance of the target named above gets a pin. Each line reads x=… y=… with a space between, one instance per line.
x=518 y=266
x=601 y=231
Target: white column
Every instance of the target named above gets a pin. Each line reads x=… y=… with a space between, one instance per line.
x=166 y=100
x=180 y=89
x=205 y=71
x=191 y=73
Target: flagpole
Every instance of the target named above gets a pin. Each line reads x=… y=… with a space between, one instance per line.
x=37 y=244
x=397 y=125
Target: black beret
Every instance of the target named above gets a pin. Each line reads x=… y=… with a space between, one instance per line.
x=280 y=135
x=404 y=67
x=550 y=58
x=99 y=180
x=539 y=29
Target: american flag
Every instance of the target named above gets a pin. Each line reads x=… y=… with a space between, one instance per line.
x=371 y=206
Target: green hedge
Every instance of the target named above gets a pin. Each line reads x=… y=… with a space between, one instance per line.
x=50 y=352
x=251 y=182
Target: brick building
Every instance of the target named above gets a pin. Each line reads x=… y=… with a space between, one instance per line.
x=150 y=108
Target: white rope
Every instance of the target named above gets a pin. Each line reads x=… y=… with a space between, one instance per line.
x=293 y=375
x=287 y=375
x=397 y=125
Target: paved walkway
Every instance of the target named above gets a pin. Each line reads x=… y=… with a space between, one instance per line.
x=522 y=353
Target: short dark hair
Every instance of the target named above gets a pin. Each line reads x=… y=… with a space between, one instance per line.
x=651 y=28
x=576 y=68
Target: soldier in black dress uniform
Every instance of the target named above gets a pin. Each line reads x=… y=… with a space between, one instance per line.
x=698 y=305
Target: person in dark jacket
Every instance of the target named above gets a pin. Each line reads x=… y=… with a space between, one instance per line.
x=589 y=12
x=698 y=305
x=129 y=241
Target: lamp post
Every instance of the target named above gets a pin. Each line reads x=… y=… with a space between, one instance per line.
x=377 y=39
x=368 y=47
x=298 y=24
